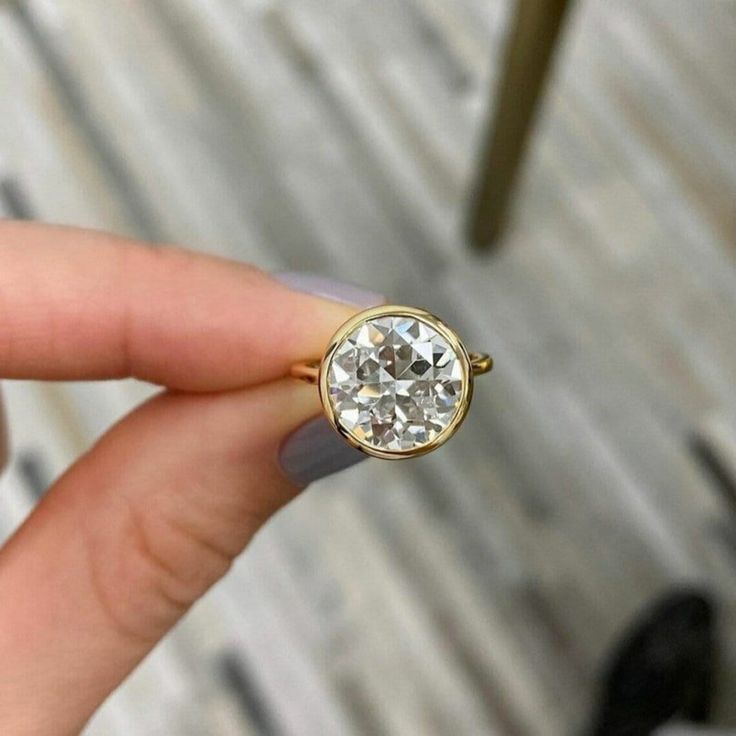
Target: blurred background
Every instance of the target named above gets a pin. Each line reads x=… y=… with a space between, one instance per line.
x=567 y=564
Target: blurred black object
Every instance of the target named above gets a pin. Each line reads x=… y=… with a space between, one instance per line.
x=241 y=684
x=34 y=472
x=14 y=199
x=662 y=668
x=713 y=463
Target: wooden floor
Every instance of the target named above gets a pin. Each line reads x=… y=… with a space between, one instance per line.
x=478 y=590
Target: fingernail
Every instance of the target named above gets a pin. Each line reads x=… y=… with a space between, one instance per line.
x=4 y=451
x=315 y=450
x=327 y=288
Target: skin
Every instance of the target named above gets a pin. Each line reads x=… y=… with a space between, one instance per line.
x=151 y=516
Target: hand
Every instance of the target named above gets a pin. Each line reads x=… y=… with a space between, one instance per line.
x=146 y=521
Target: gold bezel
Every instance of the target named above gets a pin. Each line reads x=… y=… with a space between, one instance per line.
x=437 y=324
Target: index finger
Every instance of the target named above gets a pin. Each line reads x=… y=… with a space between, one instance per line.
x=77 y=304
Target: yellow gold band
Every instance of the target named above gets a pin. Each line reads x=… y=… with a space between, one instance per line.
x=394 y=416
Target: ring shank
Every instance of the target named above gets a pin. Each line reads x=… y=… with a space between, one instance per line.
x=308 y=371
x=481 y=363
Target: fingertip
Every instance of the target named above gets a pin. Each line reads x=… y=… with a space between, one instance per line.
x=314 y=451
x=329 y=288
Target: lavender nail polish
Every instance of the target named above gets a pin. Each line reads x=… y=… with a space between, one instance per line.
x=315 y=450
x=337 y=291
x=4 y=452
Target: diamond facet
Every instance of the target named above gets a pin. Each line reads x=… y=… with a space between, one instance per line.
x=395 y=383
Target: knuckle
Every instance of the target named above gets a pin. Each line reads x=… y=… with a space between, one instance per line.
x=152 y=571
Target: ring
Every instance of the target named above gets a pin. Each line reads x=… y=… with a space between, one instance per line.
x=395 y=382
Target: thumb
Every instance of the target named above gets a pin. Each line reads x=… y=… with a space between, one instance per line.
x=129 y=538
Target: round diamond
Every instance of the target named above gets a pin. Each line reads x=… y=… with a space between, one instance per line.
x=395 y=383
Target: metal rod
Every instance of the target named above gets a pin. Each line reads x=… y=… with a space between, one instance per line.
x=529 y=50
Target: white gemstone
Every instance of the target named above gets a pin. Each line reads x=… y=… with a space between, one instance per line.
x=395 y=383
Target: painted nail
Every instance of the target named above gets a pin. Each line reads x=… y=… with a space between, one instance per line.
x=338 y=291
x=315 y=450
x=4 y=452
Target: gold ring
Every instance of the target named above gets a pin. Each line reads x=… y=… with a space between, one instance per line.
x=395 y=382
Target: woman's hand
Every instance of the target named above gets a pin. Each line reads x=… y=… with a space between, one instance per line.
x=145 y=522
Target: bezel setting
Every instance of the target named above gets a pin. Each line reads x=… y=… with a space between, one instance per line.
x=434 y=323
